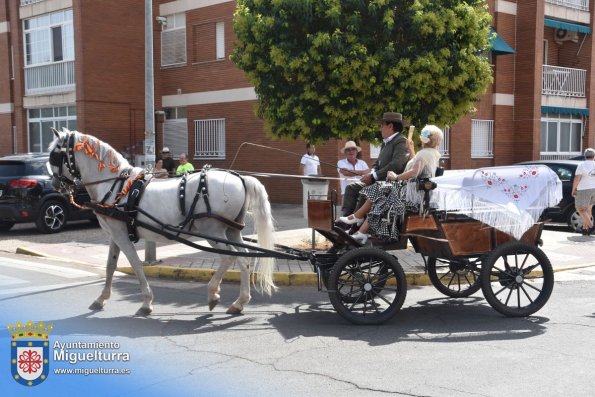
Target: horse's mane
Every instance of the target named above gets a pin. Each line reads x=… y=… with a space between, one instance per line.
x=101 y=151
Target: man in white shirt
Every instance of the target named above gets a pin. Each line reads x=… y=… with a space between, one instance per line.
x=351 y=168
x=583 y=190
x=310 y=163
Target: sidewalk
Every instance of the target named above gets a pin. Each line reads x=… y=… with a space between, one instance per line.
x=179 y=261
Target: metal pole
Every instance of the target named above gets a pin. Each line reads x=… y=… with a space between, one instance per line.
x=150 y=247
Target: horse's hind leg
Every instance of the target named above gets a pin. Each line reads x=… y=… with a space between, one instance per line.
x=112 y=261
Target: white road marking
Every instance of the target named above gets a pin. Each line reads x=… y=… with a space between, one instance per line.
x=58 y=271
x=45 y=288
x=6 y=280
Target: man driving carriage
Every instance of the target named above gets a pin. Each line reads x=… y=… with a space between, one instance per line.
x=393 y=157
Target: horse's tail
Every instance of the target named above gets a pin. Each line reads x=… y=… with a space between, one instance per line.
x=258 y=203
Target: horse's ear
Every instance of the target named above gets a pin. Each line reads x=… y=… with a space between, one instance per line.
x=56 y=133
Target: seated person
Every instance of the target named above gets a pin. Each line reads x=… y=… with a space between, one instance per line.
x=184 y=166
x=383 y=209
x=159 y=172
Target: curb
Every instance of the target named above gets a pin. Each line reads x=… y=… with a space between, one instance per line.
x=204 y=275
x=279 y=278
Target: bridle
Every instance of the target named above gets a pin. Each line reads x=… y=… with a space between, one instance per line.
x=63 y=155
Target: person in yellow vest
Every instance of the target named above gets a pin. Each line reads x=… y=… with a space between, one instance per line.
x=184 y=166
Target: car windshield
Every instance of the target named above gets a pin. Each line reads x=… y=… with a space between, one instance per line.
x=12 y=168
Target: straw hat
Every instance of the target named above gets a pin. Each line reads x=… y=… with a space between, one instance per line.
x=351 y=145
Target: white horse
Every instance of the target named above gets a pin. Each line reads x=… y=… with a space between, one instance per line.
x=99 y=167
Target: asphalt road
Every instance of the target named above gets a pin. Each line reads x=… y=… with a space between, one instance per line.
x=294 y=344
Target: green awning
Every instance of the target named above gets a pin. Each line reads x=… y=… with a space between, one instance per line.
x=499 y=46
x=558 y=109
x=573 y=27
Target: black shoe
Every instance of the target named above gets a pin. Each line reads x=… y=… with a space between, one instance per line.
x=342 y=225
x=584 y=232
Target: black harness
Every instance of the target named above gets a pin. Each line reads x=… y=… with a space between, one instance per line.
x=202 y=191
x=63 y=156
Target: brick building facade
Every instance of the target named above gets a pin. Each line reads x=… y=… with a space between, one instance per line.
x=80 y=64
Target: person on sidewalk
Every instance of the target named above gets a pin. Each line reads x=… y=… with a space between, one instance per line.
x=168 y=162
x=393 y=156
x=583 y=190
x=351 y=168
x=310 y=163
x=184 y=166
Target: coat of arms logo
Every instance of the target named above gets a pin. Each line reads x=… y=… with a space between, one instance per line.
x=30 y=358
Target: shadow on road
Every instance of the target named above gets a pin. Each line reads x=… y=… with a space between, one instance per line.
x=443 y=320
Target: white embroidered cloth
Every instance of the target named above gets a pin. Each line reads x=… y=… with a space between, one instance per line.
x=510 y=199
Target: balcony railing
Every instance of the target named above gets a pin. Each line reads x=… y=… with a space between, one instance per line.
x=50 y=78
x=563 y=81
x=27 y=2
x=576 y=4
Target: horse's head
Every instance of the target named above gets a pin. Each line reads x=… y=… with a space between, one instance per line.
x=62 y=164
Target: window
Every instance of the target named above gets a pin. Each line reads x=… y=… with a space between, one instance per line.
x=49 y=53
x=49 y=38
x=42 y=120
x=175 y=113
x=444 y=145
x=175 y=131
x=482 y=138
x=210 y=139
x=220 y=39
x=173 y=40
x=208 y=41
x=561 y=136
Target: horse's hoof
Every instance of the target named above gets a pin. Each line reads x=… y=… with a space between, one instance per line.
x=95 y=306
x=233 y=310
x=144 y=311
x=212 y=304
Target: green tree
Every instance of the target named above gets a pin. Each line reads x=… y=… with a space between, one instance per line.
x=329 y=68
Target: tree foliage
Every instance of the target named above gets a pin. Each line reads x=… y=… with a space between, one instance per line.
x=329 y=68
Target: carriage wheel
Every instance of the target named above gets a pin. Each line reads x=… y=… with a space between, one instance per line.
x=517 y=279
x=367 y=286
x=457 y=278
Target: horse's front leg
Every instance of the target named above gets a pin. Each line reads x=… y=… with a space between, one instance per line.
x=137 y=265
x=214 y=286
x=112 y=261
x=244 y=298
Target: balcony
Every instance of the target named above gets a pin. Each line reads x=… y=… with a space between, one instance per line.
x=27 y=2
x=566 y=82
x=582 y=5
x=49 y=78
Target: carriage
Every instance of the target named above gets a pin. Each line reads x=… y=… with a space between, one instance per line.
x=475 y=231
x=367 y=285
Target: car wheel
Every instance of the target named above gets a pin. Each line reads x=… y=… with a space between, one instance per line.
x=6 y=226
x=52 y=217
x=575 y=222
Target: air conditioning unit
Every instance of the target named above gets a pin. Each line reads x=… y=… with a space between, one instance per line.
x=563 y=35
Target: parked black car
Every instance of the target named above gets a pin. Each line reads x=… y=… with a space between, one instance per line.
x=565 y=210
x=27 y=195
